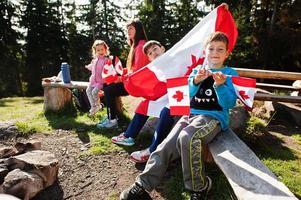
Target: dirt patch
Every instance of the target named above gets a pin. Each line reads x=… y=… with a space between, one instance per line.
x=84 y=177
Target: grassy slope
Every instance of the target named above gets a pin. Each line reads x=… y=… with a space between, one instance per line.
x=28 y=114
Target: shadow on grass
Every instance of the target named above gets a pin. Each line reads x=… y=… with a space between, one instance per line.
x=5 y=101
x=266 y=145
x=66 y=119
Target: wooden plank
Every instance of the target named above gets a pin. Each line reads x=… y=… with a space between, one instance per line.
x=269 y=74
x=73 y=84
x=278 y=98
x=276 y=86
x=248 y=176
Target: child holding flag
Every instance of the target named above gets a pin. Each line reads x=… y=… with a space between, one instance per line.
x=213 y=94
x=136 y=60
x=152 y=49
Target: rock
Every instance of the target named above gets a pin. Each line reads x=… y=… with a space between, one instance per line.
x=40 y=162
x=238 y=118
x=289 y=111
x=3 y=172
x=19 y=148
x=28 y=146
x=22 y=184
x=7 y=130
x=8 y=197
x=6 y=152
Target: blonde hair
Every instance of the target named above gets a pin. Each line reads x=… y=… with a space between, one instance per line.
x=99 y=42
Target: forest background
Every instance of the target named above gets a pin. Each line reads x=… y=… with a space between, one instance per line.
x=36 y=36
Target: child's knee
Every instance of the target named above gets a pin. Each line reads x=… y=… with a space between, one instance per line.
x=184 y=138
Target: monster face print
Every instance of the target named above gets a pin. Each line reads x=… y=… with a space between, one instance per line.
x=205 y=98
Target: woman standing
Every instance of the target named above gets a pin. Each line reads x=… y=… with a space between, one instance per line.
x=136 y=60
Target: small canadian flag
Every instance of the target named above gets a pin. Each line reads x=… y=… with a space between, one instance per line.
x=109 y=74
x=178 y=96
x=245 y=90
x=118 y=66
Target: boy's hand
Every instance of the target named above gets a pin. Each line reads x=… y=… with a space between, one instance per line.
x=202 y=75
x=219 y=78
x=225 y=5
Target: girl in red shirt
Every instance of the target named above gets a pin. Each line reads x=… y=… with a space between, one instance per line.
x=136 y=60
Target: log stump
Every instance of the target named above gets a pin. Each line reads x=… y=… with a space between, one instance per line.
x=56 y=98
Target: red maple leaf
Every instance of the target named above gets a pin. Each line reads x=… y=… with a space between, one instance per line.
x=243 y=94
x=178 y=96
x=109 y=62
x=105 y=71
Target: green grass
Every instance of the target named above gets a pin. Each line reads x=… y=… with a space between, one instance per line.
x=29 y=117
x=297 y=138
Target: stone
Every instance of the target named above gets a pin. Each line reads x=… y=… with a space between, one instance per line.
x=22 y=184
x=40 y=162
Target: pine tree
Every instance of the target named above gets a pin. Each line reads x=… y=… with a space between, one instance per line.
x=103 y=21
x=10 y=51
x=45 y=46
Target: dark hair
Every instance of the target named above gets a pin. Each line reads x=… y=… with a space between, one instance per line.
x=149 y=44
x=140 y=32
x=218 y=36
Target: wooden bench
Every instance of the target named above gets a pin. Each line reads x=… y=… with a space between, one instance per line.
x=276 y=75
x=58 y=94
x=248 y=176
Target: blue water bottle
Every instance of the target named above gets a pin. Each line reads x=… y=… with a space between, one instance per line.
x=66 y=72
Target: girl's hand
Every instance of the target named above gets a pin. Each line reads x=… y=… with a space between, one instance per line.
x=202 y=75
x=219 y=78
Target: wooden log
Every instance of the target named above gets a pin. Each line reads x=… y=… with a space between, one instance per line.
x=278 y=98
x=276 y=86
x=56 y=98
x=73 y=84
x=269 y=74
x=248 y=176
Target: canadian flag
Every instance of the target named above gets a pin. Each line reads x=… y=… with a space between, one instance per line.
x=150 y=81
x=178 y=96
x=245 y=90
x=118 y=66
x=109 y=74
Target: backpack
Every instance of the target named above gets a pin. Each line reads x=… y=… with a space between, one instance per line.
x=81 y=100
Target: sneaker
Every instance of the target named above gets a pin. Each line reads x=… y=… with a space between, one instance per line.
x=108 y=124
x=135 y=192
x=122 y=140
x=103 y=120
x=140 y=156
x=94 y=110
x=202 y=195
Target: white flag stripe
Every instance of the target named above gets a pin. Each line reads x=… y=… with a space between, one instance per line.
x=172 y=91
x=250 y=92
x=155 y=107
x=179 y=56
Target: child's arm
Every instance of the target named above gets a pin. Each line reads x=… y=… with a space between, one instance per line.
x=195 y=78
x=224 y=89
x=89 y=67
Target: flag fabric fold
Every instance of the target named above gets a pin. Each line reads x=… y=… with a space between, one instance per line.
x=245 y=90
